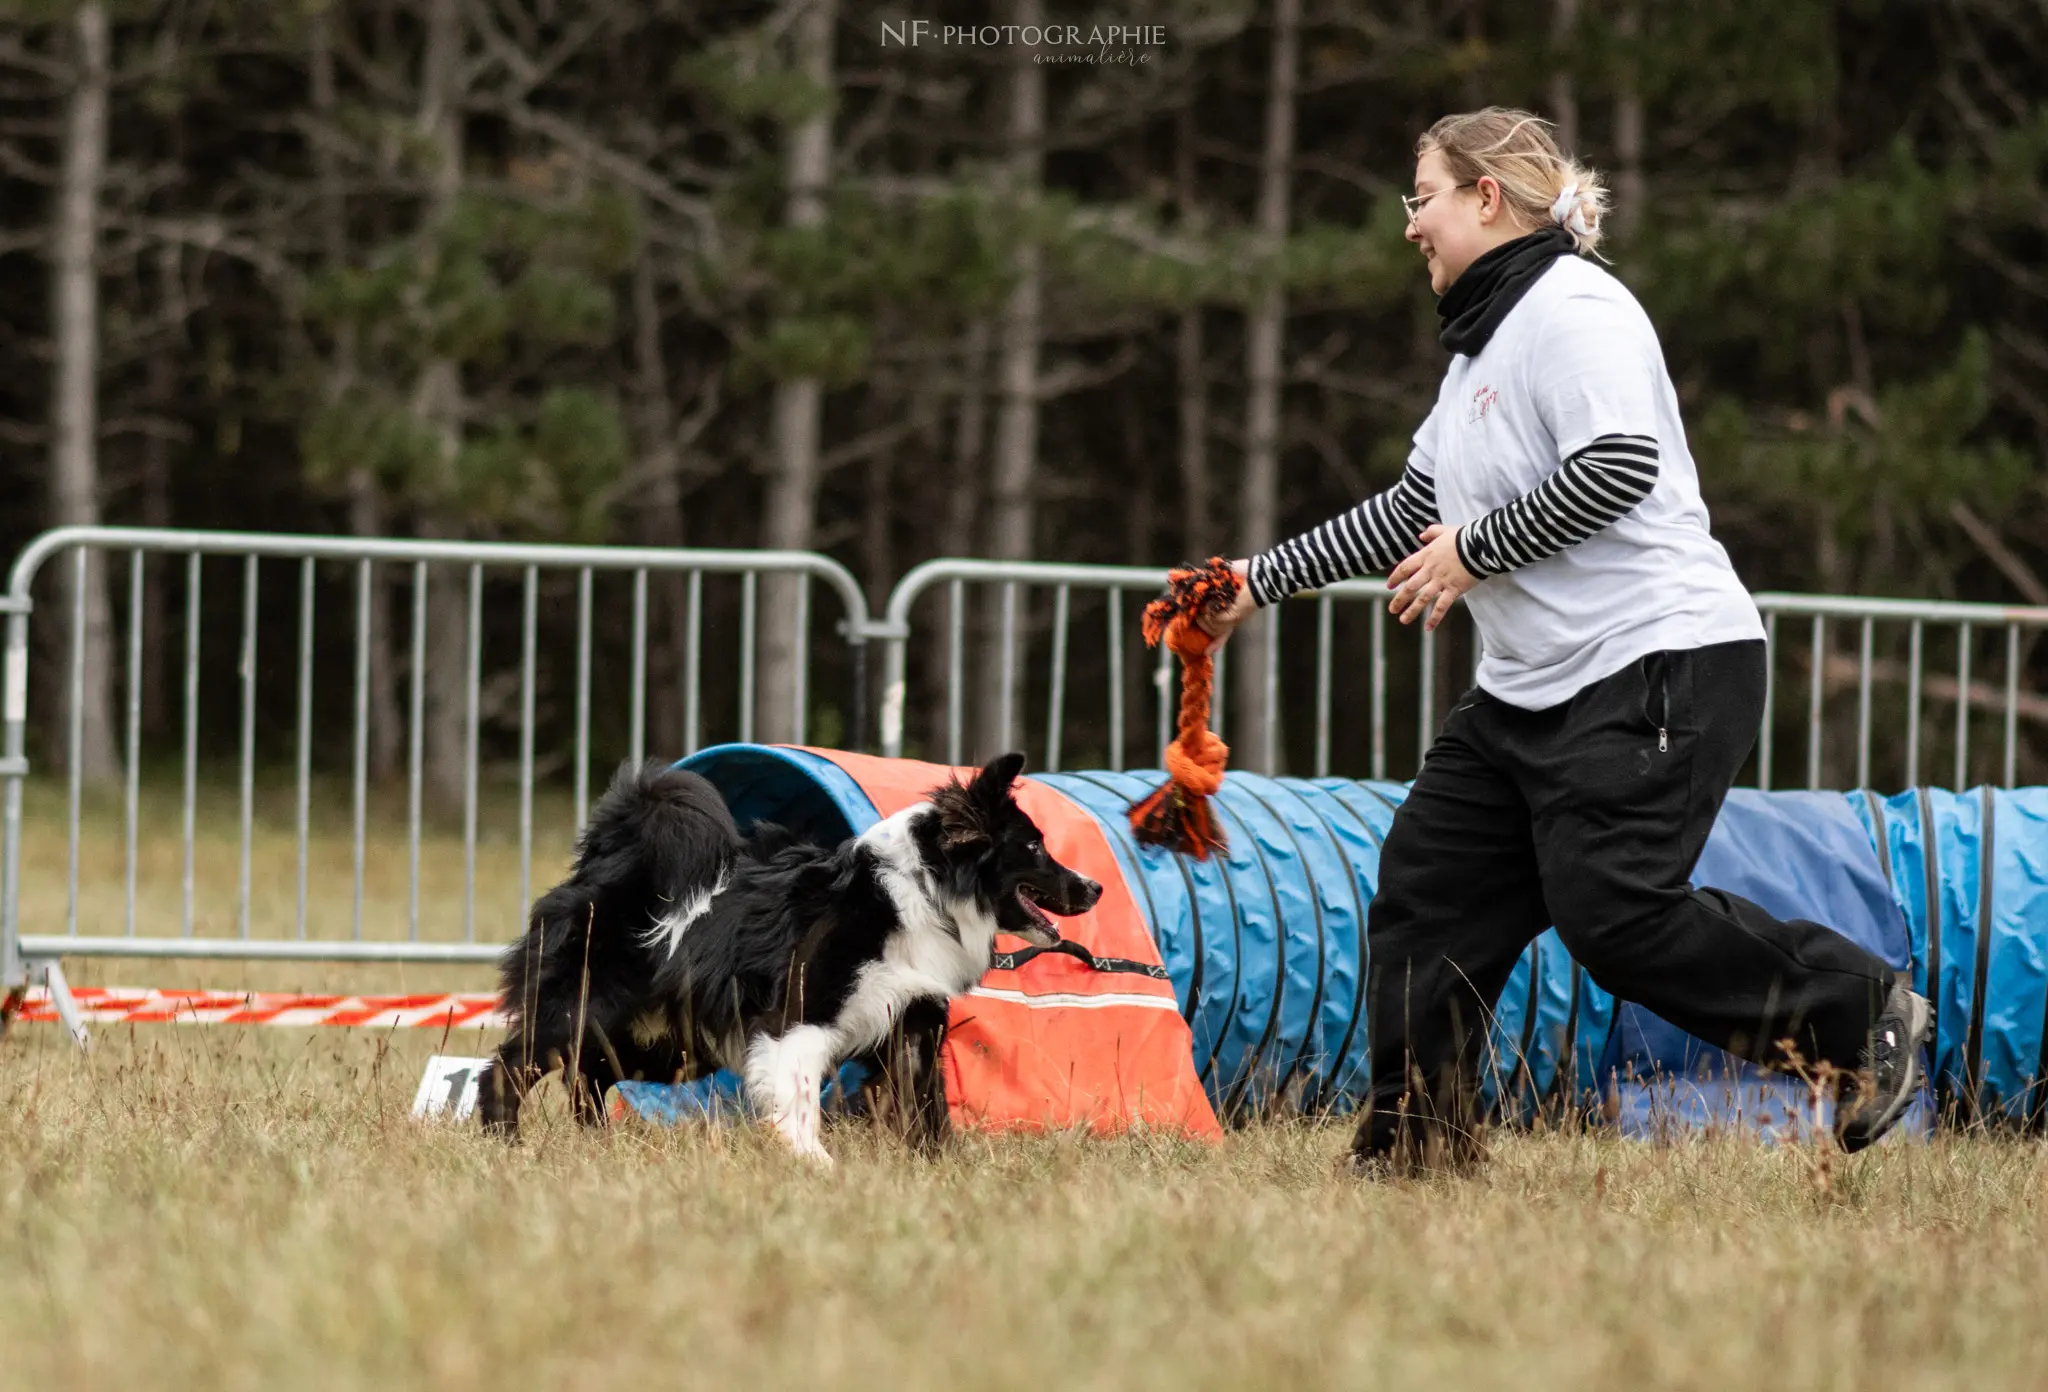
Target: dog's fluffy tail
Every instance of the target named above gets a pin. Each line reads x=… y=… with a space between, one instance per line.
x=659 y=847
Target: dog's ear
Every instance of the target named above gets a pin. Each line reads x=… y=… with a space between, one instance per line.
x=991 y=789
x=968 y=813
x=962 y=821
x=991 y=786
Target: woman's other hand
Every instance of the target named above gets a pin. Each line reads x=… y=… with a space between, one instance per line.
x=1429 y=582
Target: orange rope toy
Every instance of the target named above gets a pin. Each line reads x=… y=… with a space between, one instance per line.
x=1177 y=815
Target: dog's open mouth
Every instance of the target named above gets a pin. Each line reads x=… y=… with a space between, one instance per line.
x=1038 y=923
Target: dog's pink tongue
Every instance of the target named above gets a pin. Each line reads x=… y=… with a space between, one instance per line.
x=1047 y=923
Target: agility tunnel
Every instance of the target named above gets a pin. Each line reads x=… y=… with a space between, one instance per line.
x=1234 y=987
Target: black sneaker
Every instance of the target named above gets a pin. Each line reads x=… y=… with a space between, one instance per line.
x=1877 y=1095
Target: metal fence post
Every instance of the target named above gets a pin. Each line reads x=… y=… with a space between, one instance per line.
x=13 y=769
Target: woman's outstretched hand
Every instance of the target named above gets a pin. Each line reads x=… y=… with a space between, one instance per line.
x=1221 y=626
x=1429 y=582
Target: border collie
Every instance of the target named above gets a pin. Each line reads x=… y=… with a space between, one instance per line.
x=678 y=946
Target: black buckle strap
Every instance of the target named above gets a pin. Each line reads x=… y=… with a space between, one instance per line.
x=1010 y=961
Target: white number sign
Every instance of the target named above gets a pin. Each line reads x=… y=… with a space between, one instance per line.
x=448 y=1087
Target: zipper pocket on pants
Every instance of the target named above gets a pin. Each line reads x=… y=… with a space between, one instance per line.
x=1657 y=687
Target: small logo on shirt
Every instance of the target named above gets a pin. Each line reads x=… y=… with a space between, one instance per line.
x=1482 y=402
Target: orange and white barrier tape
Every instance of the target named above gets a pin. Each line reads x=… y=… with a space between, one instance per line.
x=136 y=1005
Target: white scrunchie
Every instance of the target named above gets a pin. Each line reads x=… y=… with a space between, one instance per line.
x=1567 y=213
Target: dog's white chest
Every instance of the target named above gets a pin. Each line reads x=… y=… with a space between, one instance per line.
x=927 y=953
x=939 y=947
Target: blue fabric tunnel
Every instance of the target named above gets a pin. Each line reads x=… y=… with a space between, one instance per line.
x=1266 y=944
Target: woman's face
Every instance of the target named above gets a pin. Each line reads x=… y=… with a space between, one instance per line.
x=1454 y=225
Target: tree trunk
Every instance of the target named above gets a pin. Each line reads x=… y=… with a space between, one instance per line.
x=1188 y=371
x=658 y=516
x=1195 y=510
x=966 y=489
x=1012 y=513
x=387 y=725
x=437 y=402
x=970 y=434
x=877 y=545
x=1564 y=101
x=366 y=513
x=789 y=517
x=1141 y=529
x=162 y=376
x=74 y=390
x=1258 y=503
x=1628 y=122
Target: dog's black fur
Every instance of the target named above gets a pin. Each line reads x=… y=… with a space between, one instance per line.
x=678 y=946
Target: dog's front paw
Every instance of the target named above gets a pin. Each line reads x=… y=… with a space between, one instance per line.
x=800 y=1135
x=810 y=1151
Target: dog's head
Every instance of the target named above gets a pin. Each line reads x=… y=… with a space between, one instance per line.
x=994 y=852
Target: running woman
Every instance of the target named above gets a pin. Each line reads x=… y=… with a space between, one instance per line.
x=1619 y=690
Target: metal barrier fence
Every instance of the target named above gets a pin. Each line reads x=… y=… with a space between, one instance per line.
x=1010 y=643
x=1881 y=627
x=1899 y=669
x=280 y=931
x=1950 y=678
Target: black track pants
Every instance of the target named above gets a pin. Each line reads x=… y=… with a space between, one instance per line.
x=1590 y=815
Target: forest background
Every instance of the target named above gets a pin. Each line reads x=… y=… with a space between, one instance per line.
x=824 y=275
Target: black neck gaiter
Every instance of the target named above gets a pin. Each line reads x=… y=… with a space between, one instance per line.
x=1494 y=284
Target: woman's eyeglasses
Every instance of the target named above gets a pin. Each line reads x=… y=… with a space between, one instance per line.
x=1413 y=203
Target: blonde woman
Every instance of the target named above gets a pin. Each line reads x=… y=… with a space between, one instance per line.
x=1620 y=685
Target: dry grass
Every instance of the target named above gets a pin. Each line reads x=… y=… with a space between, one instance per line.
x=247 y=1209
x=253 y=1208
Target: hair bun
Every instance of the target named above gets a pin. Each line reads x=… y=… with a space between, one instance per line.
x=1569 y=212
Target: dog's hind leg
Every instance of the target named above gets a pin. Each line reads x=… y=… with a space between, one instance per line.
x=503 y=1085
x=589 y=1073
x=530 y=1054
x=784 y=1076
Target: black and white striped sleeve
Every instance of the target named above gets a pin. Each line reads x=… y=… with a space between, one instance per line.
x=1591 y=491
x=1373 y=537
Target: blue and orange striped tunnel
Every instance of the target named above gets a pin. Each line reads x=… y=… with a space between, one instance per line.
x=1265 y=947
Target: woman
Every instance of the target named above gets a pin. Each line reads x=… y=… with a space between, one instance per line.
x=1619 y=690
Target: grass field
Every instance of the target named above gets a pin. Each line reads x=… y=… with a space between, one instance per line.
x=254 y=1208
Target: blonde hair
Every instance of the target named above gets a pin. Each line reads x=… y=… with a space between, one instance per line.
x=1516 y=150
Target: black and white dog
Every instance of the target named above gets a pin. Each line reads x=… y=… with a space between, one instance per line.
x=678 y=946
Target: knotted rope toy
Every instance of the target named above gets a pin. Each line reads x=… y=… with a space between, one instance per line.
x=1177 y=814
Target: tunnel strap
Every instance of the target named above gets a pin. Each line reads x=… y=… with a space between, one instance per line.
x=1010 y=961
